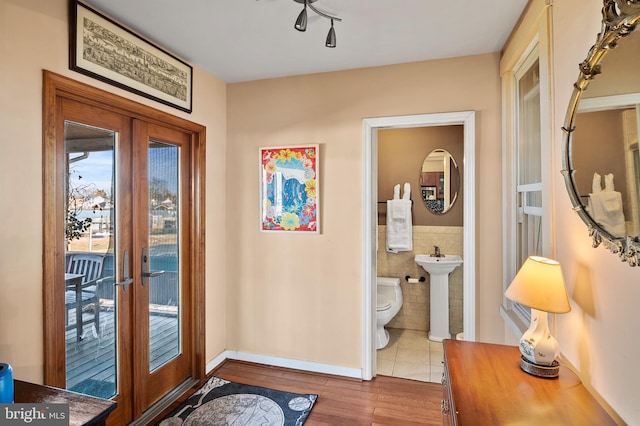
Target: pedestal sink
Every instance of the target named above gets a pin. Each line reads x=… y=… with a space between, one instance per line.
x=439 y=269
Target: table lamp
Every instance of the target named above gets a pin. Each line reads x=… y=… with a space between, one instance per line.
x=539 y=285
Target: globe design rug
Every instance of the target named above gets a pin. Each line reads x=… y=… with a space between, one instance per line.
x=225 y=403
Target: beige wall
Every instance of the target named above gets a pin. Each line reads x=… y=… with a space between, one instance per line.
x=594 y=131
x=33 y=37
x=616 y=77
x=301 y=296
x=401 y=153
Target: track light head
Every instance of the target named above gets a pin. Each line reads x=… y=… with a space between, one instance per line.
x=331 y=37
x=301 y=22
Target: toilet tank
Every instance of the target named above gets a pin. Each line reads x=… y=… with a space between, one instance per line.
x=387 y=282
x=389 y=288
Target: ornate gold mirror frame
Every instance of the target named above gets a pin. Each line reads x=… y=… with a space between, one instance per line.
x=619 y=19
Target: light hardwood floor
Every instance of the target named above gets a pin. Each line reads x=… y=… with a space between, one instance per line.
x=344 y=401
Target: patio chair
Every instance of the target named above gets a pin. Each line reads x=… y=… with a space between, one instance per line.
x=90 y=267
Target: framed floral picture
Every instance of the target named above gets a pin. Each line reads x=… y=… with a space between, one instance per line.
x=289 y=199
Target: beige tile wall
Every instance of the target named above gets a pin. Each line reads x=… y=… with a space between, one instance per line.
x=414 y=314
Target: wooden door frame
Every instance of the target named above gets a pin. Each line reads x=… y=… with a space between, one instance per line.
x=57 y=87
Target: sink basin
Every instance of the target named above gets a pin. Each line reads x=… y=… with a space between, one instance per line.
x=439 y=269
x=438 y=265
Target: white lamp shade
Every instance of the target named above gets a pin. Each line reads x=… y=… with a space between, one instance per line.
x=539 y=284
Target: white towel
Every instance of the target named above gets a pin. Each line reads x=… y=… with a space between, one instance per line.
x=596 y=183
x=407 y=191
x=608 y=182
x=606 y=209
x=398 y=210
x=399 y=226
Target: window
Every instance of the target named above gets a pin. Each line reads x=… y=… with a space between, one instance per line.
x=528 y=172
x=528 y=162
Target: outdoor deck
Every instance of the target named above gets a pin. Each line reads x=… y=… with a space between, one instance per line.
x=91 y=362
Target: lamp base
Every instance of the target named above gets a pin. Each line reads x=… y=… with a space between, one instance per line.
x=546 y=371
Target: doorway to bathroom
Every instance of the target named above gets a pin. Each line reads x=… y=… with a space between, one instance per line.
x=371 y=128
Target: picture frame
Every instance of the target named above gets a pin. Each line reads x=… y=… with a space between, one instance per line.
x=107 y=51
x=429 y=192
x=289 y=190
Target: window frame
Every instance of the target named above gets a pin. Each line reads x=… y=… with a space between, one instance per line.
x=520 y=53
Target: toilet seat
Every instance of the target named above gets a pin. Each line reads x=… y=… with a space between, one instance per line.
x=383 y=303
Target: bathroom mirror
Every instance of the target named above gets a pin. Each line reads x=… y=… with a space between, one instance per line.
x=601 y=165
x=439 y=181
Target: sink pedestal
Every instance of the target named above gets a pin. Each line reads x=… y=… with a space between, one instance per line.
x=439 y=307
x=439 y=269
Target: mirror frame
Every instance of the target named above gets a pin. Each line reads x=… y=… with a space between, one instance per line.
x=619 y=19
x=455 y=196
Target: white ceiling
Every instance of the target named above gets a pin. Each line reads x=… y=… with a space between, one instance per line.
x=243 y=40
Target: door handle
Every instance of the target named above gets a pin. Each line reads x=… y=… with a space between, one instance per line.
x=125 y=271
x=146 y=274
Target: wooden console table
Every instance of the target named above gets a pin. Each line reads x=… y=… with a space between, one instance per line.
x=83 y=409
x=484 y=385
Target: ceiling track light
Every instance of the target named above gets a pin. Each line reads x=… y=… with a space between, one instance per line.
x=301 y=22
x=331 y=37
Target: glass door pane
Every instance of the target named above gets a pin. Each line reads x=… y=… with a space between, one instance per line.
x=162 y=301
x=90 y=305
x=163 y=263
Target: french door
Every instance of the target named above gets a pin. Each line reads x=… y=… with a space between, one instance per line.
x=162 y=257
x=122 y=261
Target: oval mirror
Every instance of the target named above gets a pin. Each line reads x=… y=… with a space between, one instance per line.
x=601 y=164
x=439 y=181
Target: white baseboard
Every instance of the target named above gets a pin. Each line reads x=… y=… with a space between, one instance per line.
x=211 y=365
x=286 y=363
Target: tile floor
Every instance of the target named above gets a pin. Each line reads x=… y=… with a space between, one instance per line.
x=411 y=355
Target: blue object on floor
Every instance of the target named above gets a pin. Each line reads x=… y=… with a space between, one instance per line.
x=6 y=384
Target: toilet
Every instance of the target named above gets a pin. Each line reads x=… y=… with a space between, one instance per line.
x=389 y=303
